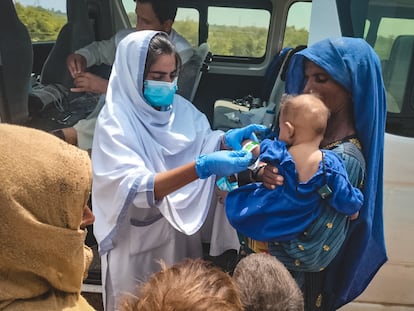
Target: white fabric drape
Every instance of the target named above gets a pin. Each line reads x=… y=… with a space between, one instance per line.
x=133 y=142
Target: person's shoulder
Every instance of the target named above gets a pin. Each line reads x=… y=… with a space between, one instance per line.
x=184 y=108
x=121 y=34
x=179 y=41
x=184 y=104
x=273 y=143
x=349 y=152
x=348 y=155
x=111 y=41
x=333 y=159
x=275 y=151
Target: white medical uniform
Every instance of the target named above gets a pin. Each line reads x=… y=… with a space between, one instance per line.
x=133 y=142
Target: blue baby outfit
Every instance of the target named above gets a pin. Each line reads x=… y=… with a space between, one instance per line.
x=283 y=213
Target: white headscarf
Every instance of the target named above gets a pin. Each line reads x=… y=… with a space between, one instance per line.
x=133 y=141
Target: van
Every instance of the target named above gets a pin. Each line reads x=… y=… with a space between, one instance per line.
x=243 y=37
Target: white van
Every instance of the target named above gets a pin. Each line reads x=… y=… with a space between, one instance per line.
x=389 y=27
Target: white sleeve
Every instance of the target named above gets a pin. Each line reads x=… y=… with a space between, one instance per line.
x=99 y=52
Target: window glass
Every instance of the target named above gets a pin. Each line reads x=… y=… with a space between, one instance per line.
x=43 y=18
x=367 y=25
x=129 y=7
x=389 y=29
x=238 y=31
x=391 y=32
x=297 y=25
x=186 y=24
x=395 y=47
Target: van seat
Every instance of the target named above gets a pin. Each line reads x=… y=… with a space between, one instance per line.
x=16 y=61
x=397 y=69
x=75 y=34
x=192 y=70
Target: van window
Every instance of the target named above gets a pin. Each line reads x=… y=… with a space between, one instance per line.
x=239 y=32
x=389 y=28
x=43 y=19
x=395 y=46
x=187 y=23
x=129 y=7
x=297 y=25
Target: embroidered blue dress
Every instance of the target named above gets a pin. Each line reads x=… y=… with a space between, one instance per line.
x=353 y=64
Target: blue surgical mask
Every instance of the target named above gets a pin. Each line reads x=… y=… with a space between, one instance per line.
x=159 y=93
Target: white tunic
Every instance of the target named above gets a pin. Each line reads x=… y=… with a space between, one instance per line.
x=133 y=142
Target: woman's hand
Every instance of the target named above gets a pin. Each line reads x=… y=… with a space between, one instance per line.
x=233 y=138
x=354 y=216
x=271 y=177
x=88 y=82
x=76 y=64
x=222 y=163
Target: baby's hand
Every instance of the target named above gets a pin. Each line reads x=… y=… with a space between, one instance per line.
x=224 y=185
x=354 y=216
x=221 y=195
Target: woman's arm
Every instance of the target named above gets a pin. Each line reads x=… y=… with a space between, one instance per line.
x=172 y=180
x=221 y=163
x=270 y=176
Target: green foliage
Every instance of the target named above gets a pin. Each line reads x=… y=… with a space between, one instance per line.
x=295 y=37
x=383 y=46
x=189 y=29
x=132 y=18
x=238 y=41
x=42 y=24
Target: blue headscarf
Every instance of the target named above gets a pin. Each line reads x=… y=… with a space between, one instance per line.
x=355 y=66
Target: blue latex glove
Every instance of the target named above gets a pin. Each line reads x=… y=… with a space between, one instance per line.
x=222 y=163
x=234 y=137
x=269 y=134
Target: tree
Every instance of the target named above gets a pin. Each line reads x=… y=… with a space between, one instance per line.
x=42 y=24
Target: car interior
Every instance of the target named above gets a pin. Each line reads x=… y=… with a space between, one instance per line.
x=16 y=59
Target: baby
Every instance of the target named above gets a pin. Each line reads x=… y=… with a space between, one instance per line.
x=313 y=178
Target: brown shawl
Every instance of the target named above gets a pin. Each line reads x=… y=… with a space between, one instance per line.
x=45 y=184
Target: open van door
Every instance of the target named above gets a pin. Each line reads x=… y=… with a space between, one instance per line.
x=388 y=26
